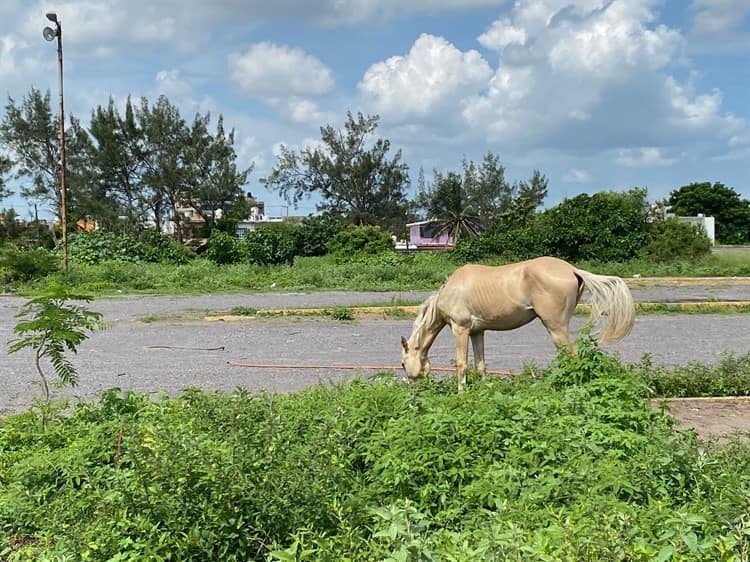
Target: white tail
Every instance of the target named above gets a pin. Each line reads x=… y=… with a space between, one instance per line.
x=610 y=297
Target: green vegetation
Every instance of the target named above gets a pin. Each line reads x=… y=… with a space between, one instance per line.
x=730 y=377
x=53 y=327
x=388 y=271
x=572 y=465
x=607 y=226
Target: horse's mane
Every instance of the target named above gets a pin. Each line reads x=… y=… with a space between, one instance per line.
x=425 y=316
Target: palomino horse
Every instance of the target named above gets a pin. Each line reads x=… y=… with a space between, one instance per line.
x=476 y=298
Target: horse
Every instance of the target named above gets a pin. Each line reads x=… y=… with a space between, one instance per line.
x=476 y=298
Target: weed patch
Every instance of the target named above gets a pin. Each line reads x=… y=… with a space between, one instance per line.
x=571 y=464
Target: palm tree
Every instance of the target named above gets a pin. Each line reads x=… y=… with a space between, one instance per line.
x=449 y=204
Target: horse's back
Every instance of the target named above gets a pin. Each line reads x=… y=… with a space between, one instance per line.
x=543 y=269
x=507 y=296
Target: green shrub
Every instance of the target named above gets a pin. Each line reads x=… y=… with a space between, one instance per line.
x=313 y=234
x=270 y=245
x=23 y=264
x=605 y=226
x=672 y=240
x=100 y=246
x=510 y=244
x=730 y=377
x=223 y=248
x=572 y=465
x=161 y=248
x=355 y=240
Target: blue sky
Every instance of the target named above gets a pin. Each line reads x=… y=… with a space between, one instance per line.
x=597 y=94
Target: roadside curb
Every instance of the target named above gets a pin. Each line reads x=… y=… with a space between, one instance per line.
x=685 y=281
x=703 y=307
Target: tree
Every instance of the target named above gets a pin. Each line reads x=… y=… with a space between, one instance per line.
x=525 y=199
x=470 y=203
x=731 y=212
x=51 y=326
x=6 y=165
x=487 y=189
x=450 y=204
x=606 y=226
x=119 y=155
x=212 y=180
x=30 y=132
x=354 y=177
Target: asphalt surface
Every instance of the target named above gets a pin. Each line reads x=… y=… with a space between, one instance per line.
x=125 y=356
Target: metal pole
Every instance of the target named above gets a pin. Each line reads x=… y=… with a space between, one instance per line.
x=63 y=194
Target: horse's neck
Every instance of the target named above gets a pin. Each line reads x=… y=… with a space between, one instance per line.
x=424 y=334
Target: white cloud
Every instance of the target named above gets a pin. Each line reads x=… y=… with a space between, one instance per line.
x=433 y=75
x=645 y=156
x=7 y=59
x=171 y=84
x=268 y=70
x=593 y=75
x=501 y=34
x=301 y=110
x=719 y=16
x=577 y=176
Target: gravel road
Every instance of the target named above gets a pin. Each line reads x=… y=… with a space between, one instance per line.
x=121 y=357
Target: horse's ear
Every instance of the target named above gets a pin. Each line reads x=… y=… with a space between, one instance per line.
x=404 y=343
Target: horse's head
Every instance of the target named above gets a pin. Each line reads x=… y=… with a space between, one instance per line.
x=414 y=362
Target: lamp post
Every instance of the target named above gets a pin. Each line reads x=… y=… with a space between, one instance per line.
x=49 y=34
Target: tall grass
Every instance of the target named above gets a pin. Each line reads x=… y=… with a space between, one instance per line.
x=383 y=272
x=573 y=465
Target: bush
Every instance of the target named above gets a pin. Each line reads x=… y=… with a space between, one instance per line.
x=271 y=245
x=574 y=465
x=520 y=243
x=161 y=248
x=354 y=240
x=606 y=226
x=223 y=248
x=672 y=239
x=24 y=264
x=730 y=377
x=99 y=246
x=313 y=234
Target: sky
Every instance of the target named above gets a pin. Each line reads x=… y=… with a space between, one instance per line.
x=596 y=94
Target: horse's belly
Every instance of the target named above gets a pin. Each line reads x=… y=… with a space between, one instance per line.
x=504 y=322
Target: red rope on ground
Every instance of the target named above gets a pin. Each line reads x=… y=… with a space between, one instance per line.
x=349 y=367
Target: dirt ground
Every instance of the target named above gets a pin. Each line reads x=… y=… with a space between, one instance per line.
x=711 y=418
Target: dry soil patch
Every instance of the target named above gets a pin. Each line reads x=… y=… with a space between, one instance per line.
x=711 y=417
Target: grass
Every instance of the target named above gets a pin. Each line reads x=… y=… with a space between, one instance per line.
x=385 y=272
x=571 y=465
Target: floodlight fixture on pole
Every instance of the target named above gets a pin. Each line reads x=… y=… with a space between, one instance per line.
x=49 y=34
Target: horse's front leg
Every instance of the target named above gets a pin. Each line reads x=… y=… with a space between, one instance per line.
x=477 y=344
x=462 y=352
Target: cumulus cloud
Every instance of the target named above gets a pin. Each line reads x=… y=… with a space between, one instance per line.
x=433 y=75
x=269 y=70
x=645 y=156
x=501 y=34
x=591 y=74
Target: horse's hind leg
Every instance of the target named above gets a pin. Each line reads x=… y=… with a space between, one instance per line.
x=560 y=335
x=477 y=344
x=461 y=335
x=556 y=315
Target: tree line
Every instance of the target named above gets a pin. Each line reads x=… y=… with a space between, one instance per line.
x=139 y=167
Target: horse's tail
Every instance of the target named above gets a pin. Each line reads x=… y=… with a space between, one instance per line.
x=610 y=297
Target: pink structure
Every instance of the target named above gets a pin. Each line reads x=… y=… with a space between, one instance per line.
x=423 y=235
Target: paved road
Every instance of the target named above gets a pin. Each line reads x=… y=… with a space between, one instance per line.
x=121 y=356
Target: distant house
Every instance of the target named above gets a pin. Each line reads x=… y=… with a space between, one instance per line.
x=708 y=224
x=426 y=235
